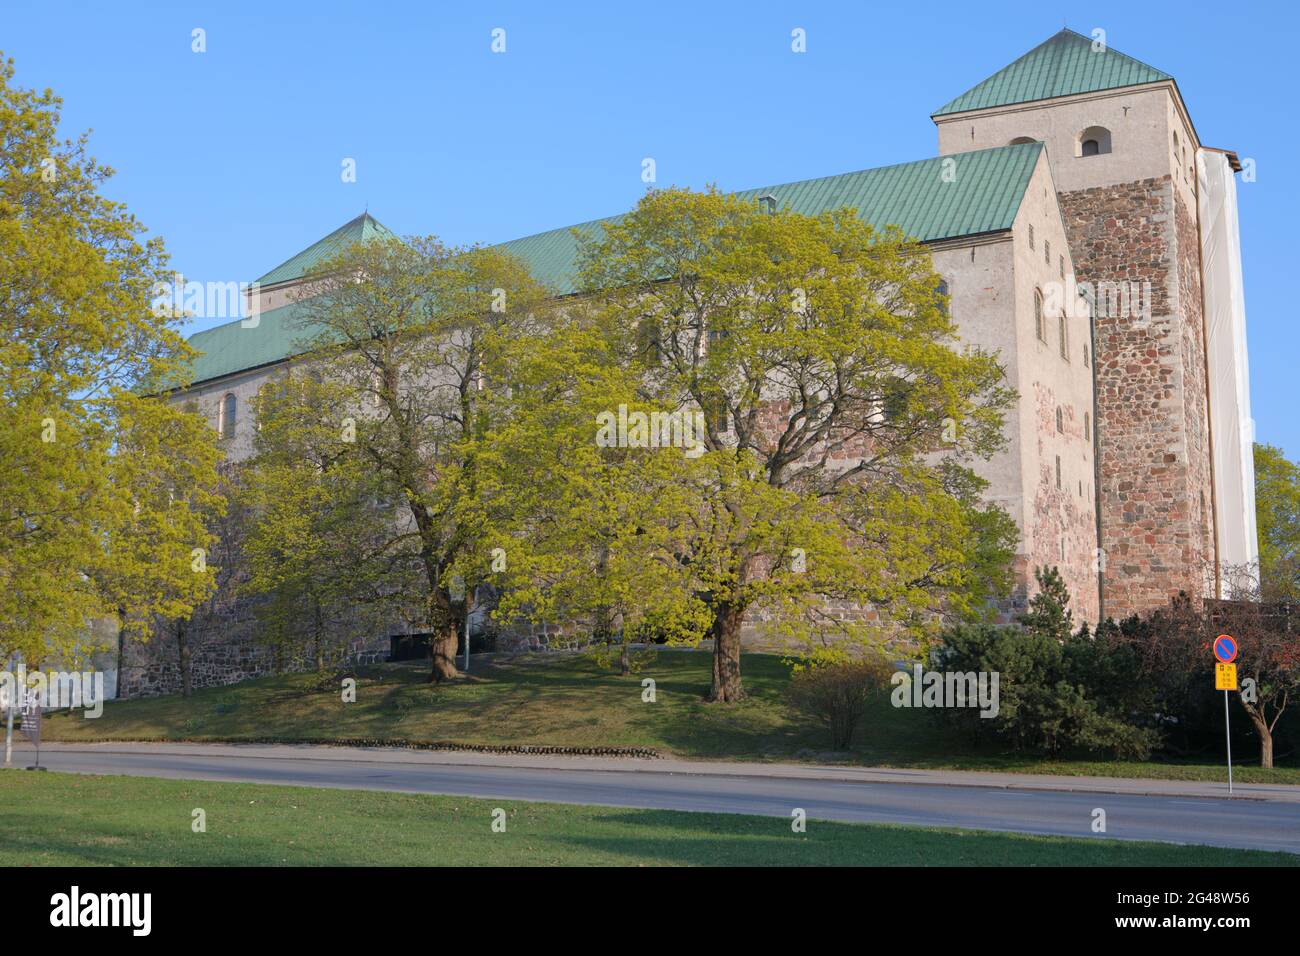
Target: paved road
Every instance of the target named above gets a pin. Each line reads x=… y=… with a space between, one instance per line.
x=1272 y=824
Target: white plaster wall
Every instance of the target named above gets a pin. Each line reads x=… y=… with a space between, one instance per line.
x=1141 y=121
x=1045 y=381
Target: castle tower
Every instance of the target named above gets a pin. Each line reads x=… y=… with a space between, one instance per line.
x=1125 y=158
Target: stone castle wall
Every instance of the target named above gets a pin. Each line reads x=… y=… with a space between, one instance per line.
x=1153 y=444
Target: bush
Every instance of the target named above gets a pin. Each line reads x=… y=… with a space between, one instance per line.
x=837 y=693
x=1047 y=699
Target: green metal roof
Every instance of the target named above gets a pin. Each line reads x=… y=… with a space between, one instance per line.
x=929 y=200
x=983 y=196
x=1062 y=66
x=362 y=229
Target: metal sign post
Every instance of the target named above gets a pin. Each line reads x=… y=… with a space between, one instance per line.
x=1228 y=736
x=1225 y=679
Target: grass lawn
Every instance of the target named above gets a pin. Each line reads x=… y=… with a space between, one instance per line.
x=569 y=701
x=72 y=820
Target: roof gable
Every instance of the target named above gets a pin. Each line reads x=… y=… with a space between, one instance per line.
x=1064 y=65
x=361 y=229
x=981 y=195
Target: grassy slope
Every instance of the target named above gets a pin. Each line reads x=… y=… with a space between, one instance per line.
x=569 y=701
x=71 y=820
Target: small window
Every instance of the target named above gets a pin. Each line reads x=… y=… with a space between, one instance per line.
x=1039 y=329
x=1060 y=420
x=226 y=418
x=1058 y=472
x=944 y=296
x=1065 y=354
x=1086 y=357
x=1087 y=426
x=1062 y=267
x=1031 y=235
x=1047 y=252
x=1094 y=141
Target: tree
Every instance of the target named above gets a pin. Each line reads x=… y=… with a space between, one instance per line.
x=586 y=530
x=1049 y=610
x=408 y=331
x=1277 y=518
x=101 y=487
x=823 y=362
x=1270 y=662
x=316 y=525
x=159 y=556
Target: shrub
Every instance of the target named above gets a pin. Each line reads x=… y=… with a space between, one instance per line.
x=837 y=693
x=1047 y=699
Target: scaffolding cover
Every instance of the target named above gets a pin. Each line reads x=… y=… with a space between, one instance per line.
x=1229 y=374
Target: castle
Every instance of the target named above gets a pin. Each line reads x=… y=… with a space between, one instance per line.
x=1083 y=232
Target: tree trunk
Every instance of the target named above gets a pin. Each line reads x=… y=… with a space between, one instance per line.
x=726 y=654
x=624 y=661
x=319 y=638
x=1265 y=740
x=121 y=650
x=444 y=654
x=184 y=655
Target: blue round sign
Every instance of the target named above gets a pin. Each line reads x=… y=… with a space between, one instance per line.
x=1225 y=648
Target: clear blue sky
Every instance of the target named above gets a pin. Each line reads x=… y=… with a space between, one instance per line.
x=234 y=155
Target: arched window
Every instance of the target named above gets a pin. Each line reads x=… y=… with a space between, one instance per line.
x=1094 y=141
x=1039 y=328
x=944 y=295
x=1022 y=140
x=226 y=417
x=1060 y=420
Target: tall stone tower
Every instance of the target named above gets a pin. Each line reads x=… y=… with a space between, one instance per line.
x=1124 y=160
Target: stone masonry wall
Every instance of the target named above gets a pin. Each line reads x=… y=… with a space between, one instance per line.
x=1154 y=464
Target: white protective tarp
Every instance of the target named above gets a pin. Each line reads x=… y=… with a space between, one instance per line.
x=1225 y=320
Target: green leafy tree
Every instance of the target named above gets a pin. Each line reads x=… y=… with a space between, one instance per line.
x=408 y=331
x=102 y=491
x=587 y=532
x=823 y=362
x=319 y=545
x=1277 y=519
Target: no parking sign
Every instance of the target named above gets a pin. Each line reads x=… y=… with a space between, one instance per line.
x=1225 y=648
x=1225 y=679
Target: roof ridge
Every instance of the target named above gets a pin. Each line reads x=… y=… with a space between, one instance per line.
x=794 y=182
x=982 y=200
x=1018 y=81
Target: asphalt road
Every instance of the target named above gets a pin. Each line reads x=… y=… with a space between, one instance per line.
x=1247 y=823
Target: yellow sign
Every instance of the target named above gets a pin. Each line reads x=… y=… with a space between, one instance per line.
x=1225 y=676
